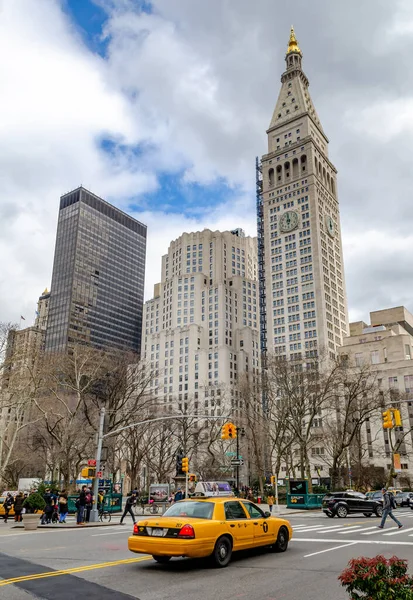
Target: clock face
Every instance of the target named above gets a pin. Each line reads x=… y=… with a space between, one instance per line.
x=331 y=228
x=288 y=221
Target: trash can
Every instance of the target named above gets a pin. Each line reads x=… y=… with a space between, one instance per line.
x=259 y=500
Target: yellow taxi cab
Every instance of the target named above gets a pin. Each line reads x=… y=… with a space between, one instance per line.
x=209 y=527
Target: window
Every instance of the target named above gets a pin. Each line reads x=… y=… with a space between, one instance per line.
x=375 y=357
x=253 y=511
x=359 y=359
x=407 y=352
x=234 y=510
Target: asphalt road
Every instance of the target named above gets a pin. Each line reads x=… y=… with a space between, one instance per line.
x=101 y=567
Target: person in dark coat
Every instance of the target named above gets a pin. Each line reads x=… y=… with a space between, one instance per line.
x=8 y=503
x=18 y=507
x=80 y=505
x=130 y=502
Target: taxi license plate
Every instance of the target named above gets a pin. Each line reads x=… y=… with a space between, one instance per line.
x=157 y=532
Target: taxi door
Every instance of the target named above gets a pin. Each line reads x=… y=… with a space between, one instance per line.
x=239 y=525
x=263 y=528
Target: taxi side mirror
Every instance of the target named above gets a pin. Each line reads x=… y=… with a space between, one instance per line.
x=267 y=514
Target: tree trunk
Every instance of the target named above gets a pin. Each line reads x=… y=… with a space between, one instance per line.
x=335 y=476
x=308 y=474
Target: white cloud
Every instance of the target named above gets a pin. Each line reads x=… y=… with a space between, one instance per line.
x=194 y=85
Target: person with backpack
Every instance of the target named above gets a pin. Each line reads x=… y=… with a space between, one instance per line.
x=389 y=503
x=130 y=502
x=63 y=507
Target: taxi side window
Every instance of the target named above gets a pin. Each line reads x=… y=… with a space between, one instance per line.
x=234 y=510
x=254 y=512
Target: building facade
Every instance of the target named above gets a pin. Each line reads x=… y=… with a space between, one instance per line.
x=302 y=287
x=201 y=329
x=386 y=346
x=25 y=346
x=98 y=276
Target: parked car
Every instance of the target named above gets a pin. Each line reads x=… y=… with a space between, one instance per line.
x=344 y=503
x=403 y=498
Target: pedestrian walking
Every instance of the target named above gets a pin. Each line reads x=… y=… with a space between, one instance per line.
x=270 y=501
x=18 y=507
x=8 y=503
x=130 y=502
x=389 y=504
x=80 y=505
x=63 y=507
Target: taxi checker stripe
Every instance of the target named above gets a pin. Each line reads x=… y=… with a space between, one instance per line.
x=73 y=570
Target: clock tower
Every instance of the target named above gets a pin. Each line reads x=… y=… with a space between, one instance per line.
x=302 y=287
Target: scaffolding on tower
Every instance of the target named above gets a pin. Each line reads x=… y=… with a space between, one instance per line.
x=261 y=275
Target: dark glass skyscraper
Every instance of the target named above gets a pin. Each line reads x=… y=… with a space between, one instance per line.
x=98 y=276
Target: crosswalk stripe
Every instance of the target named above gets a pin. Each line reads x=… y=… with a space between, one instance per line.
x=398 y=531
x=354 y=529
x=377 y=530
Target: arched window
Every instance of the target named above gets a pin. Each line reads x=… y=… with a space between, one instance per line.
x=332 y=186
x=295 y=167
x=328 y=180
x=303 y=163
x=287 y=168
x=324 y=174
x=271 y=177
x=316 y=164
x=279 y=173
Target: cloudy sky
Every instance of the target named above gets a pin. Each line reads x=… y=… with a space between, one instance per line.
x=161 y=107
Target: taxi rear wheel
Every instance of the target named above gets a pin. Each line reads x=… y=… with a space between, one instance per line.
x=162 y=560
x=281 y=544
x=222 y=552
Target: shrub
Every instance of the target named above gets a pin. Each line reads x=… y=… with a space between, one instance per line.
x=377 y=578
x=34 y=502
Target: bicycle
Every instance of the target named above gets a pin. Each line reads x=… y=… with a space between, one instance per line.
x=105 y=516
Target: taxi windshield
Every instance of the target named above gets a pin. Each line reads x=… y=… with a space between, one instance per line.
x=197 y=510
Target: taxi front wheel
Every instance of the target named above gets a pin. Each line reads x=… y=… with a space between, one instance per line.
x=222 y=552
x=281 y=544
x=162 y=560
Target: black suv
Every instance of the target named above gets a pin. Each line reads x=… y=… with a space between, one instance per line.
x=344 y=503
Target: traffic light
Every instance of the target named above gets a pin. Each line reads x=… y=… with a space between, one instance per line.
x=397 y=418
x=272 y=479
x=232 y=431
x=387 y=419
x=185 y=464
x=224 y=432
x=88 y=472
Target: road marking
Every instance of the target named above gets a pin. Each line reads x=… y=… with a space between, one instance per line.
x=350 y=530
x=398 y=531
x=73 y=570
x=377 y=530
x=330 y=549
x=112 y=533
x=328 y=541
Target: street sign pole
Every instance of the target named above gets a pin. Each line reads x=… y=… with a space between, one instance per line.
x=186 y=485
x=276 y=494
x=94 y=516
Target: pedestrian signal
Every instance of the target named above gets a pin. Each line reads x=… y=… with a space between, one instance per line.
x=185 y=464
x=192 y=477
x=88 y=472
x=387 y=419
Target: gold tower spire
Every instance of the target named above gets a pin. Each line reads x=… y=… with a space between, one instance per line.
x=293 y=43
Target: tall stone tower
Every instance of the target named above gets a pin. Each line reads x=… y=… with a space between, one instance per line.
x=302 y=288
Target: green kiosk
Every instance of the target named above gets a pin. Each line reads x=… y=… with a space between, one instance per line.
x=298 y=496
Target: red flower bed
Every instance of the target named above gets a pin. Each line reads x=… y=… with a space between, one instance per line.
x=377 y=578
